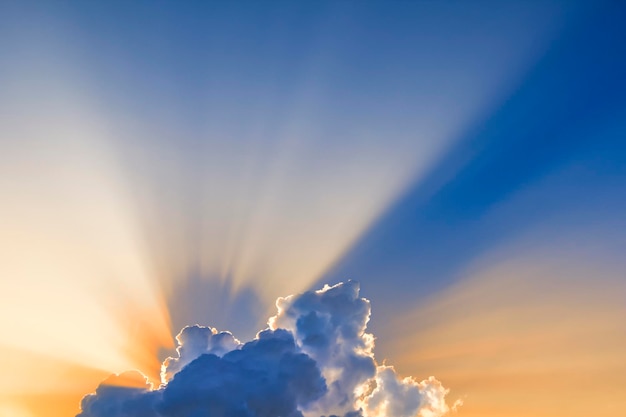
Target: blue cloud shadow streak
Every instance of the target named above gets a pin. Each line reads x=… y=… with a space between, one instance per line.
x=210 y=302
x=551 y=121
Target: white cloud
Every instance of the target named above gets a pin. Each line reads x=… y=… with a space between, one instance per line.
x=315 y=359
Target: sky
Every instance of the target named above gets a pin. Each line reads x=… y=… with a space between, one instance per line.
x=165 y=164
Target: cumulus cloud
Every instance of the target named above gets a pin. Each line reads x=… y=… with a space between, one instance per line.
x=314 y=359
x=267 y=377
x=404 y=398
x=329 y=325
x=128 y=394
x=194 y=341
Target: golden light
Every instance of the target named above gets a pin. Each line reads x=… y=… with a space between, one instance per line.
x=532 y=335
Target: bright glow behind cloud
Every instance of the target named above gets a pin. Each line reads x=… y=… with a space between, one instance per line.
x=76 y=288
x=106 y=209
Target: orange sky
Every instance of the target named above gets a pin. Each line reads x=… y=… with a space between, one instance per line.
x=524 y=339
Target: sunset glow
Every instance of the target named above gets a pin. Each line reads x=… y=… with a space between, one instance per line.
x=169 y=165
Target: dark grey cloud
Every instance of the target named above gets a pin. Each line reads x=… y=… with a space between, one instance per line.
x=315 y=359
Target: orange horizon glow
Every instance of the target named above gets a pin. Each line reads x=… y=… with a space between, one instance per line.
x=524 y=338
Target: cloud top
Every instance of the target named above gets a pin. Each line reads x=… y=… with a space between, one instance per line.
x=194 y=341
x=314 y=359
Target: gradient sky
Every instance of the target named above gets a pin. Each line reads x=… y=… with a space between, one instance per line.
x=165 y=163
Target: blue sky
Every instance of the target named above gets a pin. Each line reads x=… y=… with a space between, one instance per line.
x=562 y=125
x=189 y=162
